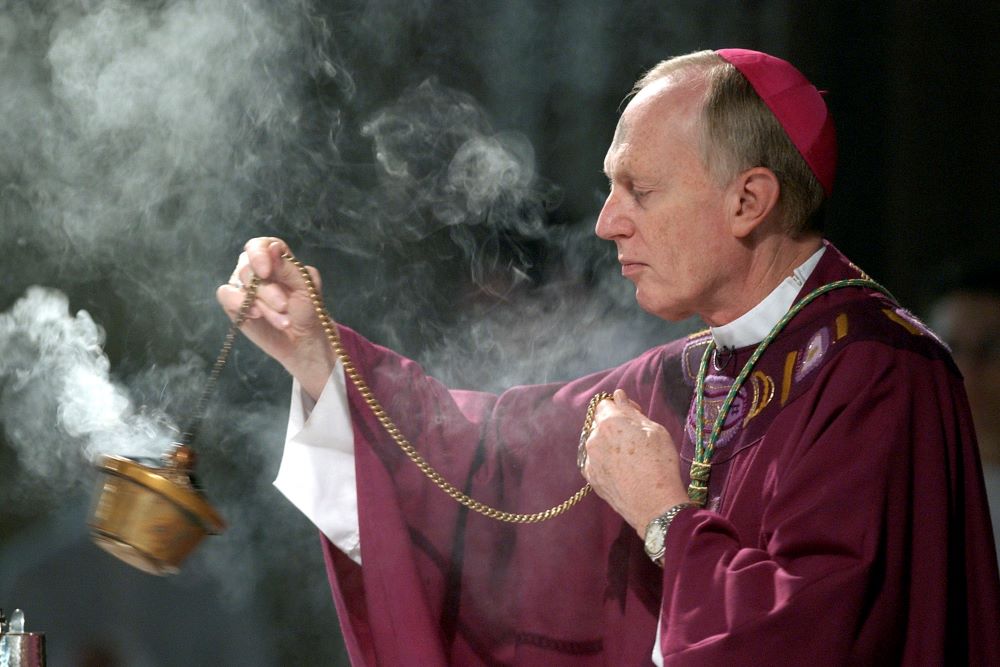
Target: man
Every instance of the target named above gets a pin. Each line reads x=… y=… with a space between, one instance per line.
x=835 y=515
x=967 y=316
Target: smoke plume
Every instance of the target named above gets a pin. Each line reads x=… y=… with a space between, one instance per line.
x=57 y=402
x=142 y=143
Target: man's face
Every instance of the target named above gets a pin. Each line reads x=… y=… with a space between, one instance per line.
x=665 y=212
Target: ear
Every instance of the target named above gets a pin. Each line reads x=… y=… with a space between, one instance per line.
x=754 y=195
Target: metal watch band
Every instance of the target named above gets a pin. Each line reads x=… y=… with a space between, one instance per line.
x=662 y=525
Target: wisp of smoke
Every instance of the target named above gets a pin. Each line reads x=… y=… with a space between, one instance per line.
x=58 y=404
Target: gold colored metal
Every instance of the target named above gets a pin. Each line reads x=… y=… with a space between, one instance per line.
x=351 y=371
x=151 y=517
x=588 y=426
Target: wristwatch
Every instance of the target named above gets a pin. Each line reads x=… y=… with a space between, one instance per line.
x=656 y=532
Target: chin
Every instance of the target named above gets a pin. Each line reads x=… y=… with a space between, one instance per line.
x=672 y=315
x=665 y=311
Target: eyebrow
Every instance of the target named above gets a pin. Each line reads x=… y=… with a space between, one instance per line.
x=621 y=167
x=610 y=159
x=621 y=130
x=604 y=169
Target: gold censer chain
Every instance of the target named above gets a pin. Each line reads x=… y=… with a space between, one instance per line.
x=351 y=371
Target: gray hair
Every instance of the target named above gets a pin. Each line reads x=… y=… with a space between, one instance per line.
x=740 y=132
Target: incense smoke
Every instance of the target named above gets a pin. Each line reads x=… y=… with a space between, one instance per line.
x=141 y=143
x=58 y=404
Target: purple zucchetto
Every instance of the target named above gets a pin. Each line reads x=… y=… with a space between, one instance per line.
x=797 y=105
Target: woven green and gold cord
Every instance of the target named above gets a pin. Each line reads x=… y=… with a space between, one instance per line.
x=701 y=465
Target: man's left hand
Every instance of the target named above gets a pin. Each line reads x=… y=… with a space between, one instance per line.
x=632 y=462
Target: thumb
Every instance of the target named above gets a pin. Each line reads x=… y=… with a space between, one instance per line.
x=623 y=401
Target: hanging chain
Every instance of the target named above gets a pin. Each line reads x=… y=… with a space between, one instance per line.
x=351 y=371
x=700 y=466
x=588 y=425
x=213 y=378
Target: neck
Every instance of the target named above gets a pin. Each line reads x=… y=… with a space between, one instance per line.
x=764 y=266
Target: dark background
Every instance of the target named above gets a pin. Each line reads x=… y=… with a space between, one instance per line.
x=141 y=143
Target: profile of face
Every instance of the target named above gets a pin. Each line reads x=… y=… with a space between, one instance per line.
x=665 y=212
x=970 y=323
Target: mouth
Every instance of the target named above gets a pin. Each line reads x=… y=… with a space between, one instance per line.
x=630 y=267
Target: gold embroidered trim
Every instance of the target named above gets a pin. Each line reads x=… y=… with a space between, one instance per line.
x=786 y=381
x=761 y=396
x=841 y=325
x=894 y=316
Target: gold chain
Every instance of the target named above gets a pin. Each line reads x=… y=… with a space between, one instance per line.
x=198 y=414
x=351 y=371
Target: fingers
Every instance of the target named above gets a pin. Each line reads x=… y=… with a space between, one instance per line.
x=618 y=416
x=230 y=298
x=621 y=404
x=269 y=294
x=282 y=299
x=272 y=296
x=314 y=275
x=262 y=258
x=264 y=255
x=618 y=405
x=605 y=409
x=623 y=401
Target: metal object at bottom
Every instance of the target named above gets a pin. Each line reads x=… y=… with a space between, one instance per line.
x=150 y=516
x=17 y=647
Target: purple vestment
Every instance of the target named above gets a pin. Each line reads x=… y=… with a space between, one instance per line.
x=847 y=521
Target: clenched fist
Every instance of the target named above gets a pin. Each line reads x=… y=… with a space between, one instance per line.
x=282 y=321
x=632 y=462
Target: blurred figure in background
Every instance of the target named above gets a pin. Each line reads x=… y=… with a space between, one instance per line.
x=967 y=317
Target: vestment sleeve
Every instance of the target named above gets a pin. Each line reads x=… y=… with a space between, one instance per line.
x=442 y=584
x=870 y=467
x=317 y=465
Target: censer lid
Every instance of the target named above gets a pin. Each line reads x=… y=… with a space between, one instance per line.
x=172 y=484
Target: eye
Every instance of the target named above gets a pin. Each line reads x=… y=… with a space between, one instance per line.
x=639 y=195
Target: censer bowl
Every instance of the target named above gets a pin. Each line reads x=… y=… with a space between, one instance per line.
x=151 y=516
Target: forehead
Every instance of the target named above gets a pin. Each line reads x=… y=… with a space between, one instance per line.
x=662 y=119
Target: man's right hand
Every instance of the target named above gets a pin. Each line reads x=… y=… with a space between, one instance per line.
x=282 y=321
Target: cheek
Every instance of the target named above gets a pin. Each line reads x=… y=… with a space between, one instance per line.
x=684 y=233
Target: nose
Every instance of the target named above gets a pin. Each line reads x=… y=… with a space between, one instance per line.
x=613 y=221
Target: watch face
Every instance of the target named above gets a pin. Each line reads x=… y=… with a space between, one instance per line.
x=654 y=539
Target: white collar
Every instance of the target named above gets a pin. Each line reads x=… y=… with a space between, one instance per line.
x=752 y=326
